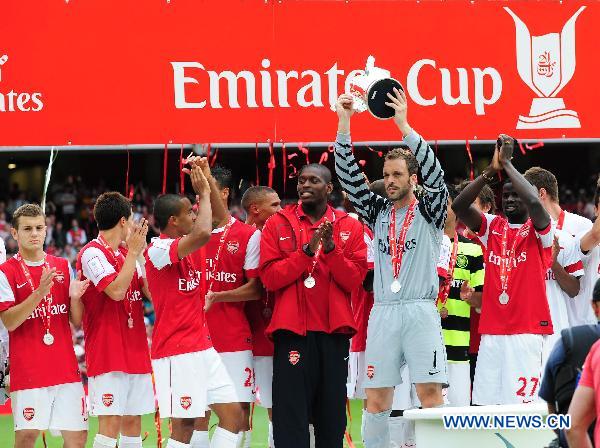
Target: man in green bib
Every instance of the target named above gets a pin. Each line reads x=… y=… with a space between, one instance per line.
x=461 y=291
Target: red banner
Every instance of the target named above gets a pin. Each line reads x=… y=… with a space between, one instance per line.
x=124 y=71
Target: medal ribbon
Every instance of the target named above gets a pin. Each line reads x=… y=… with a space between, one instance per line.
x=561 y=220
x=315 y=259
x=397 y=248
x=507 y=257
x=46 y=316
x=218 y=254
x=443 y=297
x=115 y=263
x=319 y=248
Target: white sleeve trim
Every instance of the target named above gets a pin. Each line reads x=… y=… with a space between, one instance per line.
x=569 y=255
x=370 y=249
x=253 y=252
x=488 y=224
x=6 y=292
x=95 y=266
x=445 y=249
x=159 y=253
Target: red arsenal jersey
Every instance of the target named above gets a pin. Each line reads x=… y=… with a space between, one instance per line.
x=259 y=314
x=110 y=345
x=527 y=310
x=175 y=285
x=34 y=364
x=238 y=261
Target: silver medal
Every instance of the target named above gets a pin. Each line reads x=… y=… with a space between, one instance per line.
x=504 y=298
x=48 y=339
x=130 y=322
x=395 y=287
x=310 y=282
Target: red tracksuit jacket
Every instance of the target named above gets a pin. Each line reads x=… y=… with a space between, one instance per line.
x=284 y=265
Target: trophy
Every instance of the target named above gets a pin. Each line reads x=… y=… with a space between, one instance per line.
x=546 y=64
x=370 y=90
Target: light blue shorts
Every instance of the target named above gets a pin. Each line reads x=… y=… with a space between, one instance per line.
x=402 y=333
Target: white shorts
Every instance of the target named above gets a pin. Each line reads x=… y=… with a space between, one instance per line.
x=459 y=379
x=508 y=369
x=187 y=384
x=263 y=376
x=240 y=366
x=356 y=373
x=405 y=394
x=119 y=393
x=549 y=342
x=61 y=408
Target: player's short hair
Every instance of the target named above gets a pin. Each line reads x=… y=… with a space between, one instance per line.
x=255 y=194
x=452 y=191
x=165 y=206
x=407 y=156
x=222 y=176
x=322 y=169
x=110 y=207
x=29 y=211
x=541 y=178
x=486 y=195
x=378 y=187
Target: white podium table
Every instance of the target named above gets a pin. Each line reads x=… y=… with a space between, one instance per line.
x=430 y=431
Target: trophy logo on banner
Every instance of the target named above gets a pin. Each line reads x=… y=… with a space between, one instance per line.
x=546 y=64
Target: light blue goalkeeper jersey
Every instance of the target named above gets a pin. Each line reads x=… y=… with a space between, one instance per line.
x=418 y=273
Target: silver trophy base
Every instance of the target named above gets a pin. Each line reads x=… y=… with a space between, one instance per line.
x=549 y=113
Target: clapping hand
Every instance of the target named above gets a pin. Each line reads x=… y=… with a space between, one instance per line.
x=78 y=287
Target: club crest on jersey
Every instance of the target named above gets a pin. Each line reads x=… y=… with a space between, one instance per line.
x=344 y=236
x=107 y=399
x=59 y=277
x=233 y=246
x=185 y=402
x=462 y=261
x=370 y=372
x=294 y=357
x=28 y=414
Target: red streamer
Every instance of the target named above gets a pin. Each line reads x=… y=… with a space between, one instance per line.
x=251 y=422
x=271 y=165
x=214 y=159
x=181 y=173
x=472 y=171
x=304 y=151
x=294 y=173
x=257 y=178
x=347 y=432
x=379 y=153
x=165 y=160
x=324 y=158
x=157 y=425
x=131 y=192
x=284 y=164
x=528 y=147
x=534 y=146
x=127 y=173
